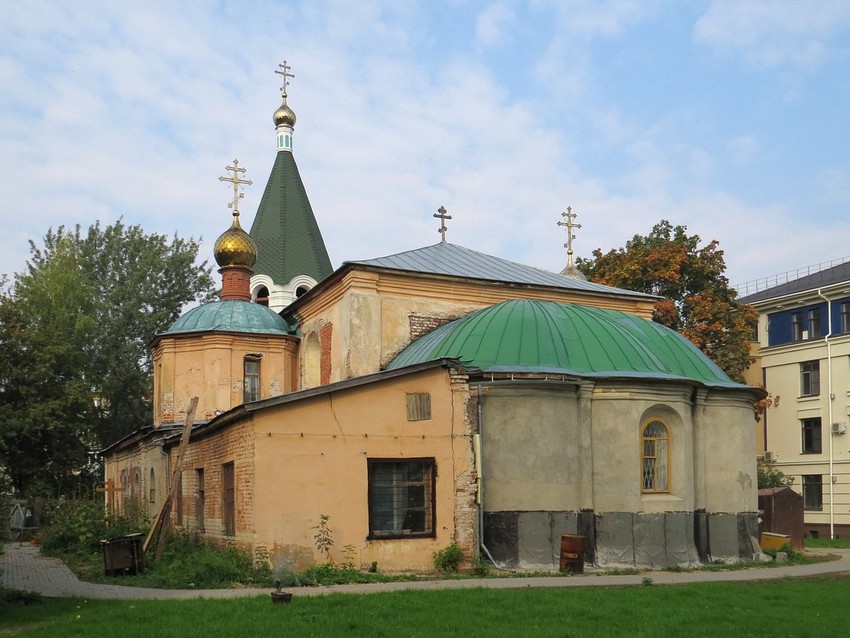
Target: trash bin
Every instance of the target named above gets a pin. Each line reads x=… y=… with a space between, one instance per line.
x=573 y=547
x=123 y=555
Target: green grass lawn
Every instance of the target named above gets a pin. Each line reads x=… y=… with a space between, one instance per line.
x=778 y=608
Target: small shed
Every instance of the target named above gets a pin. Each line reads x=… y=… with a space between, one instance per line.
x=781 y=512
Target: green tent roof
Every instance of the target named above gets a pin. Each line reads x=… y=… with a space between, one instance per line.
x=558 y=338
x=231 y=316
x=288 y=239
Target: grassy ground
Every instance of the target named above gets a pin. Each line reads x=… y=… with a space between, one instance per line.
x=784 y=608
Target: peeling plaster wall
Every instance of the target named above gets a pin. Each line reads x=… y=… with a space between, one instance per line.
x=535 y=466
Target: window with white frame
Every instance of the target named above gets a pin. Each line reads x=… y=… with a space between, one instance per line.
x=845 y=316
x=809 y=378
x=655 y=457
x=797 y=326
x=814 y=323
x=401 y=498
x=251 y=380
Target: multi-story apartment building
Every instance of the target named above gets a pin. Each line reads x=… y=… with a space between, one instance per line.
x=803 y=360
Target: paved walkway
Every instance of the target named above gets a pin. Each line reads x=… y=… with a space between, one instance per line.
x=23 y=567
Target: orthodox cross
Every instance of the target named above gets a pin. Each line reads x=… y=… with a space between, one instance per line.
x=286 y=75
x=569 y=216
x=110 y=490
x=442 y=215
x=236 y=181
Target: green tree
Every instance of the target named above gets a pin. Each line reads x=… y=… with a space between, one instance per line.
x=769 y=476
x=75 y=371
x=696 y=299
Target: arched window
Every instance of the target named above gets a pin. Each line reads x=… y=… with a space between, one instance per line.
x=262 y=296
x=655 y=457
x=152 y=487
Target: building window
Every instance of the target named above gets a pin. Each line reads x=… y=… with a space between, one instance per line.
x=655 y=457
x=151 y=487
x=418 y=406
x=251 y=379
x=228 y=498
x=813 y=492
x=200 y=499
x=401 y=498
x=812 y=436
x=809 y=378
x=814 y=323
x=797 y=326
x=845 y=316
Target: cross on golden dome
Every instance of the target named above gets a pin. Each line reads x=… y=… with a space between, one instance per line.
x=236 y=181
x=442 y=215
x=286 y=75
x=569 y=216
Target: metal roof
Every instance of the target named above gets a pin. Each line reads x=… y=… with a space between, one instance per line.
x=231 y=316
x=289 y=242
x=549 y=337
x=827 y=277
x=445 y=258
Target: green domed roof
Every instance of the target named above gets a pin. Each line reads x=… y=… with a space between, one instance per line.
x=231 y=316
x=545 y=336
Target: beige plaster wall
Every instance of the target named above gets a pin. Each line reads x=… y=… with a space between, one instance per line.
x=534 y=460
x=210 y=366
x=731 y=482
x=311 y=459
x=138 y=460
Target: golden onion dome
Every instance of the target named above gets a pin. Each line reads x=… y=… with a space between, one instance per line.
x=235 y=247
x=284 y=115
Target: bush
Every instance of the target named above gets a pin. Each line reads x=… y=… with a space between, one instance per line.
x=188 y=562
x=448 y=559
x=9 y=597
x=78 y=526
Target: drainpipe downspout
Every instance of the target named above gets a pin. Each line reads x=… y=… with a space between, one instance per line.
x=831 y=400
x=476 y=443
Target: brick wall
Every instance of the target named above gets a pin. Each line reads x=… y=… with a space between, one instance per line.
x=325 y=335
x=234 y=444
x=423 y=324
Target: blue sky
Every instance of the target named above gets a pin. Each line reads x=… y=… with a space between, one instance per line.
x=730 y=117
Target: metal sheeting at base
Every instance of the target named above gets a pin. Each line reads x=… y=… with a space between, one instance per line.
x=531 y=540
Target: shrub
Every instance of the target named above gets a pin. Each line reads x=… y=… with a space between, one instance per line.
x=448 y=559
x=78 y=526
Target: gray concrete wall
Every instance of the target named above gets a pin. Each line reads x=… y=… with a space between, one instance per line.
x=530 y=455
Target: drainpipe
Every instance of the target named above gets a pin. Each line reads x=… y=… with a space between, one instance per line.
x=831 y=399
x=476 y=442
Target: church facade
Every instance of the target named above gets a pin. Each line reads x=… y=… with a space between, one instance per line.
x=438 y=396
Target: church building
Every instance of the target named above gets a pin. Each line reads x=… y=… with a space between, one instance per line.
x=436 y=396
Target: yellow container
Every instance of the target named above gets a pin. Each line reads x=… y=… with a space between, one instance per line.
x=769 y=540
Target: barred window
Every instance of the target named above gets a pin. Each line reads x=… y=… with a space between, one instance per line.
x=401 y=498
x=655 y=457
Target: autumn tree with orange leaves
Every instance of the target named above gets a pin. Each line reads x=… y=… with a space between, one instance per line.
x=696 y=298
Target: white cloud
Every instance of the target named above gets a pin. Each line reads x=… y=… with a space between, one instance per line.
x=771 y=33
x=493 y=24
x=742 y=149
